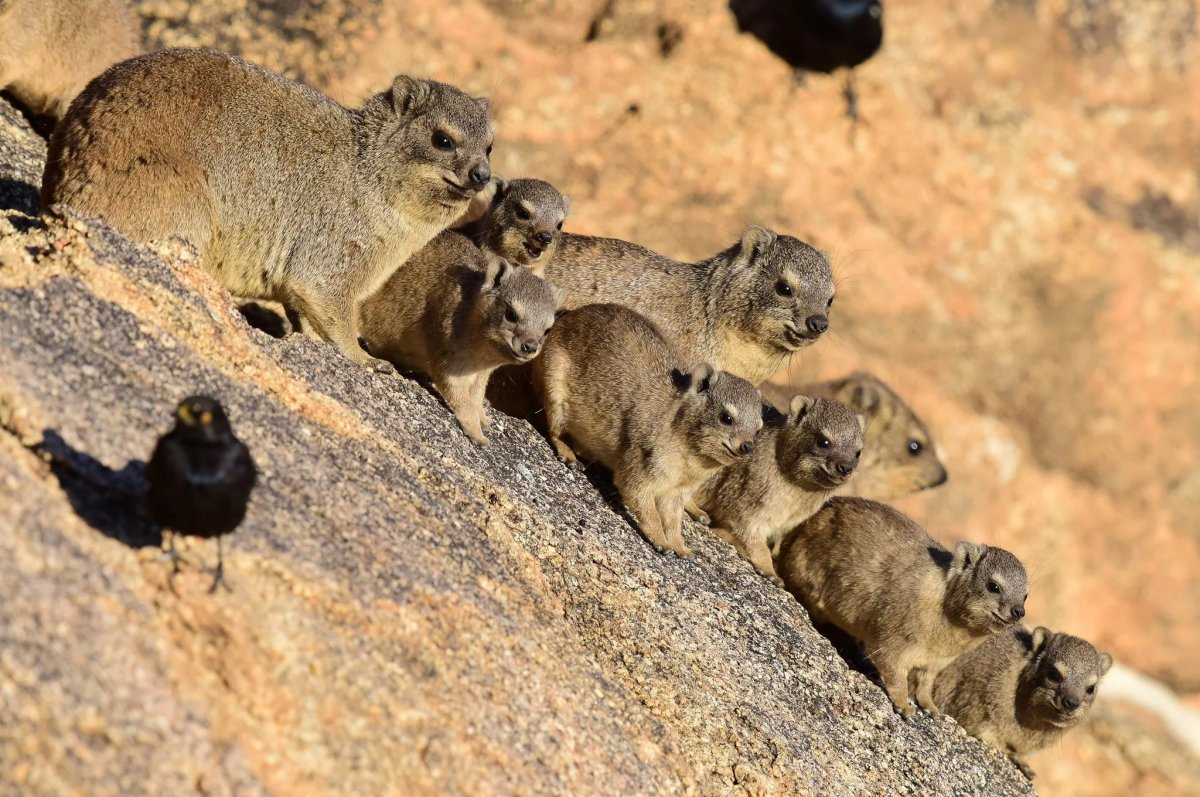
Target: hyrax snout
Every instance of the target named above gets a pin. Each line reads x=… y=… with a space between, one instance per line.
x=797 y=464
x=617 y=390
x=871 y=571
x=1021 y=691
x=288 y=196
x=523 y=224
x=456 y=314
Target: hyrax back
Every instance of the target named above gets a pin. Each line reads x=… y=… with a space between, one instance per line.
x=610 y=381
x=797 y=464
x=1021 y=691
x=745 y=310
x=869 y=570
x=456 y=314
x=288 y=195
x=899 y=455
x=523 y=223
x=50 y=49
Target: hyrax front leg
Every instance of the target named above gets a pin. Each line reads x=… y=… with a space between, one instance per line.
x=641 y=502
x=754 y=548
x=697 y=514
x=551 y=389
x=925 y=678
x=895 y=681
x=465 y=397
x=670 y=512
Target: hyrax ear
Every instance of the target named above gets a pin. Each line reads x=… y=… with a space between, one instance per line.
x=410 y=95
x=966 y=556
x=499 y=187
x=1041 y=635
x=498 y=270
x=566 y=206
x=862 y=422
x=800 y=406
x=862 y=396
x=560 y=296
x=1106 y=662
x=703 y=378
x=756 y=244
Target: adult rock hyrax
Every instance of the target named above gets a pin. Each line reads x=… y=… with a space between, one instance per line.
x=50 y=49
x=1021 y=691
x=745 y=310
x=899 y=455
x=457 y=314
x=287 y=195
x=869 y=570
x=797 y=464
x=610 y=381
x=523 y=222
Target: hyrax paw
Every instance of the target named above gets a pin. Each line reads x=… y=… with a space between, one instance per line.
x=382 y=366
x=571 y=463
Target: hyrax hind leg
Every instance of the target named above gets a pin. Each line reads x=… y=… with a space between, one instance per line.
x=754 y=548
x=464 y=394
x=639 y=496
x=331 y=319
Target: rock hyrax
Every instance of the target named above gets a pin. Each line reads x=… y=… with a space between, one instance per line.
x=899 y=455
x=611 y=382
x=457 y=314
x=745 y=310
x=523 y=223
x=50 y=49
x=797 y=464
x=287 y=195
x=869 y=570
x=1021 y=691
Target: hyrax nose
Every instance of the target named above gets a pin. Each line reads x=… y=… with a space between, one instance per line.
x=746 y=447
x=817 y=324
x=845 y=468
x=529 y=347
x=480 y=174
x=544 y=238
x=1071 y=703
x=1018 y=612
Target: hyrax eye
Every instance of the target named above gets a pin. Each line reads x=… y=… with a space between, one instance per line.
x=488 y=152
x=1091 y=690
x=726 y=419
x=523 y=214
x=823 y=442
x=914 y=447
x=1055 y=676
x=993 y=588
x=783 y=289
x=829 y=303
x=442 y=141
x=510 y=316
x=560 y=225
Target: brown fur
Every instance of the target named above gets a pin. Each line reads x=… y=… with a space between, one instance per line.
x=50 y=49
x=745 y=310
x=1021 y=691
x=872 y=572
x=796 y=466
x=456 y=315
x=899 y=454
x=610 y=381
x=287 y=195
x=523 y=223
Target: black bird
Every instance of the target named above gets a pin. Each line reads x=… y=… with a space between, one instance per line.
x=200 y=477
x=816 y=35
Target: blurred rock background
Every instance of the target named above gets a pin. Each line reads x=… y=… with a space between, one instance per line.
x=1015 y=224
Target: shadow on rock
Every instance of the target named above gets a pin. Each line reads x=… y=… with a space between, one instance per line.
x=18 y=195
x=108 y=500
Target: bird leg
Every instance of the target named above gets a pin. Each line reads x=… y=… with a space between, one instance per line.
x=169 y=553
x=851 y=97
x=219 y=573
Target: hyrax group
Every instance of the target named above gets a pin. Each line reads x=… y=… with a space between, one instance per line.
x=382 y=231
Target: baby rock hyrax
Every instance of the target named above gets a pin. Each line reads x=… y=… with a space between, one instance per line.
x=457 y=314
x=1021 y=691
x=797 y=464
x=287 y=195
x=50 y=49
x=523 y=223
x=611 y=382
x=899 y=454
x=745 y=310
x=869 y=570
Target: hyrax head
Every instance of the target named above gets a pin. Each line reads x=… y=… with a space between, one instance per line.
x=1061 y=677
x=778 y=289
x=437 y=139
x=525 y=221
x=720 y=413
x=986 y=588
x=516 y=308
x=896 y=440
x=820 y=443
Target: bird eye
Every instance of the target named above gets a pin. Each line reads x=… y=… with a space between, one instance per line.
x=823 y=442
x=993 y=588
x=510 y=316
x=783 y=289
x=726 y=419
x=442 y=141
x=914 y=447
x=523 y=214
